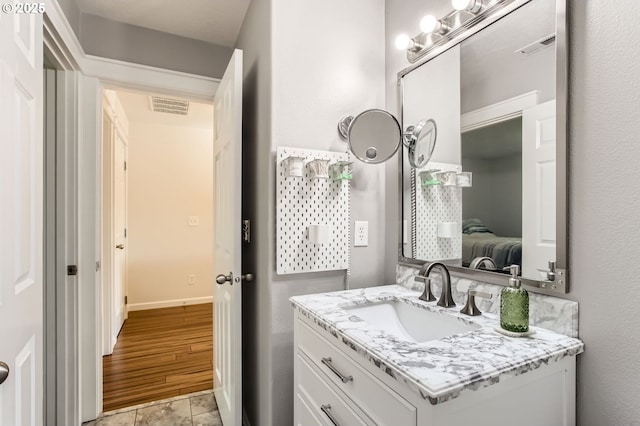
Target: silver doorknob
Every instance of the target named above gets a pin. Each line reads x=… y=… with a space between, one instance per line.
x=4 y=372
x=247 y=277
x=120 y=246
x=222 y=278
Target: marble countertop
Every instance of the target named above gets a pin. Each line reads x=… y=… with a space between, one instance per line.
x=438 y=370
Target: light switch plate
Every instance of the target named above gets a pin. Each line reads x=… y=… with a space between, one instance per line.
x=361 y=233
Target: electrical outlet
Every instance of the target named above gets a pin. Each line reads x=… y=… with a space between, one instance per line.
x=191 y=279
x=194 y=220
x=361 y=234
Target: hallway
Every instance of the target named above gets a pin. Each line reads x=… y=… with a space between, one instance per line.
x=161 y=353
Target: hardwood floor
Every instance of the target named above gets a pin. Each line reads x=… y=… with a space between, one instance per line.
x=161 y=353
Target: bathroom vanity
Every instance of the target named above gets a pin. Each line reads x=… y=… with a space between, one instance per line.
x=381 y=356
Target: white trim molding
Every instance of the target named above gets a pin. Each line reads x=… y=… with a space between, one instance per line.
x=169 y=303
x=125 y=74
x=498 y=112
x=128 y=75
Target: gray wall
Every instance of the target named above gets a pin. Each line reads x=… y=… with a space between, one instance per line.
x=105 y=38
x=116 y=40
x=604 y=203
x=604 y=197
x=319 y=76
x=294 y=96
x=255 y=41
x=72 y=13
x=496 y=195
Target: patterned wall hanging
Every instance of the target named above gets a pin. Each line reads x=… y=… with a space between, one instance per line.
x=312 y=211
x=437 y=212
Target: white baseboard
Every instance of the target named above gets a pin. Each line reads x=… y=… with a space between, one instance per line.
x=169 y=303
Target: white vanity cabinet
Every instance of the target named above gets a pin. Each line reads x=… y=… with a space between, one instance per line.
x=336 y=385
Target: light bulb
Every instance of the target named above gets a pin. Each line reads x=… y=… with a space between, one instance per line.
x=460 y=4
x=472 y=6
x=428 y=24
x=403 y=42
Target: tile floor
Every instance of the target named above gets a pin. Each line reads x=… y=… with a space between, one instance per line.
x=197 y=409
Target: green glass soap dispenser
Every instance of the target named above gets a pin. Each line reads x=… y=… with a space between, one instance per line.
x=514 y=304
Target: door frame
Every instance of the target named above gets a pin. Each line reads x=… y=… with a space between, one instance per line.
x=60 y=298
x=118 y=128
x=89 y=76
x=498 y=112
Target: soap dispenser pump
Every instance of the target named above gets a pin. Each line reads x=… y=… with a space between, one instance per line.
x=514 y=304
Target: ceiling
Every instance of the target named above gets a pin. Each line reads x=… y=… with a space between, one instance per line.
x=495 y=45
x=214 y=21
x=138 y=110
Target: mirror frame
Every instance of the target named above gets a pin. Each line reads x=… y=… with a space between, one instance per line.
x=561 y=285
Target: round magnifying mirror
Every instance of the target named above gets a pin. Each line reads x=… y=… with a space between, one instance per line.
x=374 y=136
x=421 y=142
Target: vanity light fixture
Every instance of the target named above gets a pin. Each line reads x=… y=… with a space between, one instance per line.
x=453 y=26
x=473 y=6
x=404 y=42
x=429 y=24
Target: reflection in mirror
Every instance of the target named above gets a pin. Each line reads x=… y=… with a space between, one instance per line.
x=420 y=141
x=492 y=210
x=494 y=98
x=373 y=135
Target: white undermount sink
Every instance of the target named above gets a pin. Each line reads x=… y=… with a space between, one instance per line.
x=409 y=322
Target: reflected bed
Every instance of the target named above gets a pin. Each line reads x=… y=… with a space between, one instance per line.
x=479 y=241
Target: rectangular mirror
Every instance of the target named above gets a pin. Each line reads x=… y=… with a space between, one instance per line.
x=493 y=193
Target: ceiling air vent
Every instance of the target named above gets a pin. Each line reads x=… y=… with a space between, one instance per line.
x=170 y=106
x=537 y=45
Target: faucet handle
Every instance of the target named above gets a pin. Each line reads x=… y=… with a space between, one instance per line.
x=426 y=295
x=421 y=278
x=470 y=308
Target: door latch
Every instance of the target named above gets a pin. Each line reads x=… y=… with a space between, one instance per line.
x=72 y=270
x=222 y=278
x=246 y=231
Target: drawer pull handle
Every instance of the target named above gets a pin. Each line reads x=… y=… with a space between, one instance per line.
x=345 y=379
x=326 y=410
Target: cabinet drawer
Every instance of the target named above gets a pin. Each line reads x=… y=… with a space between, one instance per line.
x=316 y=400
x=305 y=414
x=382 y=404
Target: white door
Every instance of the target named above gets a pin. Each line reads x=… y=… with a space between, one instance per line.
x=21 y=215
x=118 y=309
x=538 y=188
x=227 y=296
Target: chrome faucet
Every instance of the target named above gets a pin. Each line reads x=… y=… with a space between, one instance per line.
x=446 y=300
x=470 y=308
x=426 y=295
x=488 y=262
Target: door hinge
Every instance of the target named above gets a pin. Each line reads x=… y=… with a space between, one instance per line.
x=125 y=166
x=72 y=270
x=126 y=299
x=125 y=232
